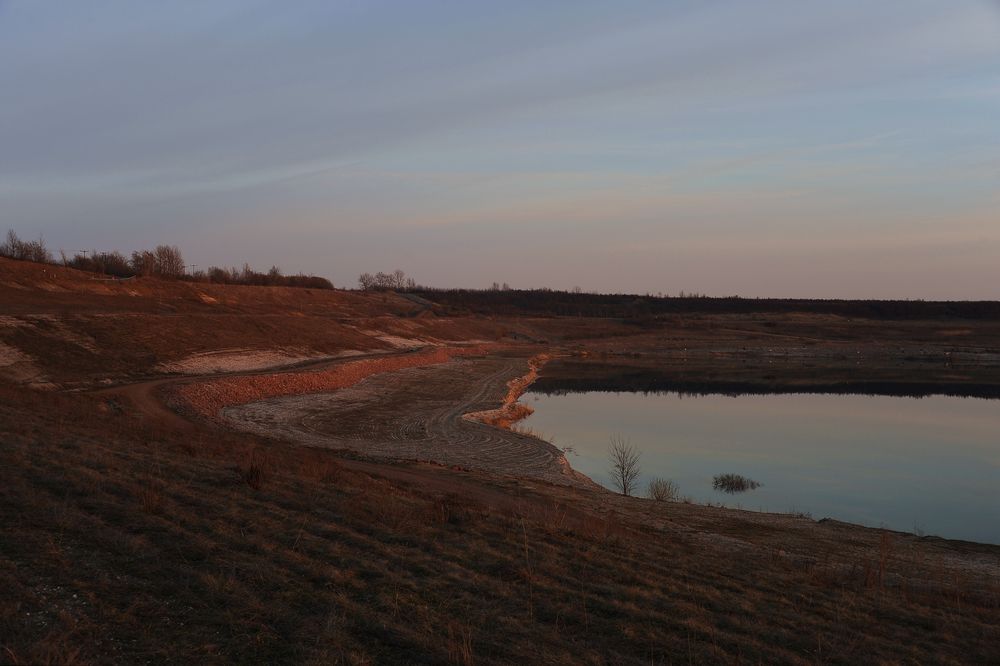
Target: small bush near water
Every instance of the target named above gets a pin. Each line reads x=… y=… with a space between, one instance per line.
x=734 y=483
x=662 y=490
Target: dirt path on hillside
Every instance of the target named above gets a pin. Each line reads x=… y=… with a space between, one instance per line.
x=416 y=414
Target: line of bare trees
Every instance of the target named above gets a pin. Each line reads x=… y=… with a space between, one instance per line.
x=163 y=261
x=395 y=281
x=14 y=248
x=272 y=278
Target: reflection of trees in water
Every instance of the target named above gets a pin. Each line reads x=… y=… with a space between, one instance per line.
x=653 y=383
x=734 y=483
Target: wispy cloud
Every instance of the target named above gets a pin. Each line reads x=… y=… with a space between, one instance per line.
x=678 y=122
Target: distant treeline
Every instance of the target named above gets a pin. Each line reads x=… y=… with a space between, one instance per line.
x=698 y=389
x=395 y=281
x=164 y=261
x=567 y=376
x=645 y=309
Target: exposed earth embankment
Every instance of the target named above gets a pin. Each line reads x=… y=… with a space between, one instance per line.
x=512 y=411
x=207 y=398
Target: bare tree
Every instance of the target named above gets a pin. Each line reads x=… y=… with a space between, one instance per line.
x=624 y=459
x=144 y=262
x=37 y=251
x=13 y=247
x=169 y=262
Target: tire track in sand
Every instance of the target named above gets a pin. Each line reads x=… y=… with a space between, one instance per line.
x=415 y=413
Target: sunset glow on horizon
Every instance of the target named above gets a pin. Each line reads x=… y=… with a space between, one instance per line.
x=777 y=148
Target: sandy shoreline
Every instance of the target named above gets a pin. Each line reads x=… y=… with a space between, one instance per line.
x=429 y=412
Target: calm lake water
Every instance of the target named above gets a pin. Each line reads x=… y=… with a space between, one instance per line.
x=929 y=465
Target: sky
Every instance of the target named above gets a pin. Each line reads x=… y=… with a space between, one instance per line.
x=792 y=148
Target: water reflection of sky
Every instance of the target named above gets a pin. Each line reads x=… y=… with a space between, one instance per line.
x=929 y=464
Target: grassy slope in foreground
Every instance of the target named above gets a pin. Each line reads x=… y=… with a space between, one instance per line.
x=122 y=543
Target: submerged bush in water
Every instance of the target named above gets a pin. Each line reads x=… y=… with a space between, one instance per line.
x=733 y=483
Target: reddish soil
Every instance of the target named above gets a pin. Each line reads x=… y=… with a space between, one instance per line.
x=208 y=397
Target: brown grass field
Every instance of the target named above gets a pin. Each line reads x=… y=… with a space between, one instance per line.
x=133 y=534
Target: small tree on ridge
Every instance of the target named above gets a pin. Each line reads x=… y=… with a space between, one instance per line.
x=624 y=460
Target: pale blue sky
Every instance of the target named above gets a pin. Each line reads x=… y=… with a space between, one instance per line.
x=795 y=148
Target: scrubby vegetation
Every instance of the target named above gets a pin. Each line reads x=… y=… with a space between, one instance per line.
x=272 y=278
x=164 y=261
x=14 y=248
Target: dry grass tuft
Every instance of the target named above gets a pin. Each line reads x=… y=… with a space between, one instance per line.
x=151 y=498
x=460 y=645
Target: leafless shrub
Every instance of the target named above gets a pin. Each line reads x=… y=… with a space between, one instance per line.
x=624 y=460
x=662 y=490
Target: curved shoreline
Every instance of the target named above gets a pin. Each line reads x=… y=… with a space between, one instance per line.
x=419 y=413
x=512 y=411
